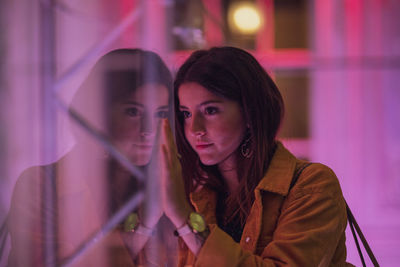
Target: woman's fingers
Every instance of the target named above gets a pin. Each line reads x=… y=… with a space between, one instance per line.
x=165 y=161
x=169 y=157
x=174 y=202
x=168 y=139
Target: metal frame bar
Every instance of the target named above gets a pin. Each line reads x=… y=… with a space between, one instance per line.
x=133 y=202
x=101 y=139
x=48 y=141
x=97 y=49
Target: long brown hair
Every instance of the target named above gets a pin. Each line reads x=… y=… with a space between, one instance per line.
x=236 y=75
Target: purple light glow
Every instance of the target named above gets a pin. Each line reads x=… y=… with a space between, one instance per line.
x=354 y=67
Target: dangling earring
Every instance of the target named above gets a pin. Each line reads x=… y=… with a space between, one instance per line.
x=245 y=148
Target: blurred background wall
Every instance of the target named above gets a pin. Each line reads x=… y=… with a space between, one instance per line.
x=336 y=62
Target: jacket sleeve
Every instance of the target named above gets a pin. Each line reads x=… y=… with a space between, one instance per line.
x=311 y=224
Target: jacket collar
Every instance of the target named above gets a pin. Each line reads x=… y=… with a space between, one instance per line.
x=280 y=172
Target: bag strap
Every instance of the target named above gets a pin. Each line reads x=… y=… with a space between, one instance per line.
x=352 y=222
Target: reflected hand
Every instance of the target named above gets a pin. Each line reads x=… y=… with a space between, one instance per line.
x=152 y=208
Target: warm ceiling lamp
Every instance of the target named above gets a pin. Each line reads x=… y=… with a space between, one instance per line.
x=244 y=17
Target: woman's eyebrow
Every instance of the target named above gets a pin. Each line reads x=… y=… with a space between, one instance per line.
x=141 y=105
x=163 y=107
x=210 y=102
x=133 y=103
x=203 y=103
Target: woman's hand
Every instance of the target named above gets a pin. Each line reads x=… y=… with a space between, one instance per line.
x=151 y=208
x=176 y=206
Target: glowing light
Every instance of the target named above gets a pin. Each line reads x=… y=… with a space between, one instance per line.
x=245 y=18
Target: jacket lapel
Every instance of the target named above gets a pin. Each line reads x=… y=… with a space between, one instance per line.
x=276 y=181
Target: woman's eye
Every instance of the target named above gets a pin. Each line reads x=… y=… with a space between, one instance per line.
x=211 y=110
x=132 y=112
x=186 y=114
x=162 y=114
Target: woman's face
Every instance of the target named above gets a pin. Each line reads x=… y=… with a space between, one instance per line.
x=134 y=121
x=214 y=126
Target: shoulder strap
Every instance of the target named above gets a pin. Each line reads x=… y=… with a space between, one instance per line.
x=297 y=174
x=352 y=222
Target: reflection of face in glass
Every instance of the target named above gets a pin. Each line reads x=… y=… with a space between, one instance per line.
x=214 y=126
x=134 y=121
x=123 y=97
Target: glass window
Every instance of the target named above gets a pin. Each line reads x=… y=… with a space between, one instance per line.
x=294 y=86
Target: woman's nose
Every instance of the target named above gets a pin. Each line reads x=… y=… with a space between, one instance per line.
x=197 y=127
x=148 y=126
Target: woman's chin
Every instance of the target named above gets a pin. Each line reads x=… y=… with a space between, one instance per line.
x=207 y=161
x=141 y=161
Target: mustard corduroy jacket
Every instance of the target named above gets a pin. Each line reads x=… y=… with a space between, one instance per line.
x=303 y=226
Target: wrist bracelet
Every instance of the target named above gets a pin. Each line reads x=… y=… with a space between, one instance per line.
x=183 y=230
x=195 y=224
x=143 y=230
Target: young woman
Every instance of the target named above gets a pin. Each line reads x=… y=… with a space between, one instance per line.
x=125 y=96
x=227 y=182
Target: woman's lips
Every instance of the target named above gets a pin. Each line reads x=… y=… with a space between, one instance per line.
x=144 y=146
x=202 y=146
